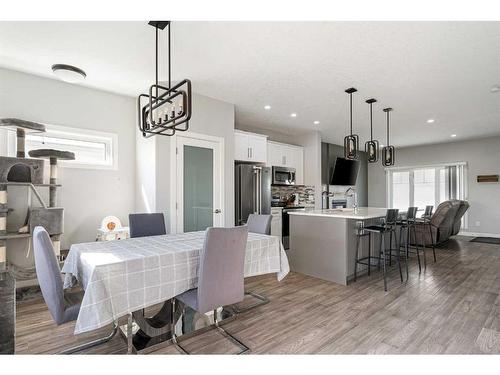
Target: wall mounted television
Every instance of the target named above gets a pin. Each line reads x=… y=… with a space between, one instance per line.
x=345 y=172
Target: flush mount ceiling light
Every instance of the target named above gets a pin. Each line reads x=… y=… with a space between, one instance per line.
x=165 y=108
x=68 y=73
x=371 y=146
x=351 y=141
x=267 y=107
x=293 y=115
x=430 y=121
x=316 y=122
x=388 y=152
x=453 y=135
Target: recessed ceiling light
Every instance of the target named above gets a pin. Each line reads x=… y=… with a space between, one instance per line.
x=495 y=88
x=293 y=115
x=68 y=73
x=453 y=135
x=430 y=121
x=316 y=122
x=267 y=107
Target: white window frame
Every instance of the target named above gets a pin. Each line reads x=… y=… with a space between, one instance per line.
x=462 y=184
x=80 y=134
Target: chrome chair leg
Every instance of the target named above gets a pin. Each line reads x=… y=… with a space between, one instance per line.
x=263 y=300
x=172 y=330
x=242 y=346
x=216 y=325
x=93 y=343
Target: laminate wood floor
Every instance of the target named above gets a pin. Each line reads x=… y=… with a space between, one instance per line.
x=451 y=308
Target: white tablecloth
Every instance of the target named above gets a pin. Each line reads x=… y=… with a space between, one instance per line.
x=123 y=276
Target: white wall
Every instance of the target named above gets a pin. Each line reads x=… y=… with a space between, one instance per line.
x=87 y=195
x=211 y=117
x=482 y=157
x=145 y=183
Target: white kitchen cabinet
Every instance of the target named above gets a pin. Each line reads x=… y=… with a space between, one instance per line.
x=250 y=147
x=285 y=155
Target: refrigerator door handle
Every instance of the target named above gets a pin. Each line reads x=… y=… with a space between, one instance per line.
x=239 y=199
x=259 y=193
x=254 y=181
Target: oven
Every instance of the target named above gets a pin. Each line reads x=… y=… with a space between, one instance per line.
x=283 y=176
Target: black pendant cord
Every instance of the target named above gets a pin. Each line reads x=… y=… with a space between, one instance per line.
x=350 y=108
x=388 y=128
x=169 y=64
x=156 y=62
x=371 y=122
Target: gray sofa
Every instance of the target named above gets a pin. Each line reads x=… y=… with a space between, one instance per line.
x=445 y=222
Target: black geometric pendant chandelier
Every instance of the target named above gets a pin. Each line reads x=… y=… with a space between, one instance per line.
x=351 y=141
x=388 y=152
x=165 y=109
x=371 y=146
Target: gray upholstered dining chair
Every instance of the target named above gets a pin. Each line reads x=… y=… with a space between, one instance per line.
x=143 y=225
x=220 y=277
x=63 y=306
x=259 y=223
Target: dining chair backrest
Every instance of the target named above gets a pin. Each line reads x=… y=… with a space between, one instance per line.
x=428 y=211
x=221 y=271
x=411 y=214
x=143 y=225
x=391 y=216
x=48 y=274
x=259 y=223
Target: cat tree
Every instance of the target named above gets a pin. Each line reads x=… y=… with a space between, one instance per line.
x=20 y=171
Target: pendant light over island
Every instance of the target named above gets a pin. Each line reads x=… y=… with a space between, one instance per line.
x=388 y=152
x=351 y=141
x=372 y=146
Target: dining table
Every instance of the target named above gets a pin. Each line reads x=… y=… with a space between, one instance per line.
x=125 y=276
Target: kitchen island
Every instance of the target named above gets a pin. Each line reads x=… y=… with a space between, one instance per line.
x=323 y=242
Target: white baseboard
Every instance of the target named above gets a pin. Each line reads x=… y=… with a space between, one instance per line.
x=479 y=234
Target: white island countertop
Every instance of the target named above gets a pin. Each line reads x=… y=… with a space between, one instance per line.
x=361 y=213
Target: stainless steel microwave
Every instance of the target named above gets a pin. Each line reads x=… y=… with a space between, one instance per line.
x=283 y=176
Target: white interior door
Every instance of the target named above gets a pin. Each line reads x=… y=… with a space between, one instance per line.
x=199 y=183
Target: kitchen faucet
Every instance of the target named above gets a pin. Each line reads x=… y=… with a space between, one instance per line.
x=351 y=192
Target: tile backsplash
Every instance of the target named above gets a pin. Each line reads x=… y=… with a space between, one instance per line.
x=304 y=192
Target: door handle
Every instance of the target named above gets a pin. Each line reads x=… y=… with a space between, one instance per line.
x=217 y=211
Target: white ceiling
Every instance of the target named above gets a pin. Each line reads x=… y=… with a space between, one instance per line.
x=440 y=70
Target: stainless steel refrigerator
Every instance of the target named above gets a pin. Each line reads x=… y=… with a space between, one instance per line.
x=252 y=191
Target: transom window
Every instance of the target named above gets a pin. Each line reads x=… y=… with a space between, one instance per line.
x=92 y=149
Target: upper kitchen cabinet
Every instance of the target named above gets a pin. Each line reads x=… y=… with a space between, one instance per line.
x=250 y=147
x=284 y=155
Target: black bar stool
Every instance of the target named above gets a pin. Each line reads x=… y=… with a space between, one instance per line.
x=361 y=233
x=425 y=220
x=388 y=226
x=409 y=225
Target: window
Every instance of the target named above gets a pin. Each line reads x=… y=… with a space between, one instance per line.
x=92 y=149
x=401 y=189
x=426 y=185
